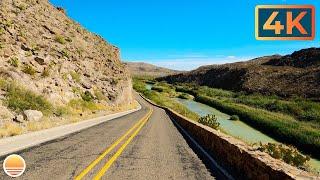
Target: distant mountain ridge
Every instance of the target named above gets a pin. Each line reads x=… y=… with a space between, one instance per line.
x=142 y=69
x=297 y=74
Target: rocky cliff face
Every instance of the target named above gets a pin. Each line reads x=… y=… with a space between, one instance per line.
x=296 y=74
x=44 y=51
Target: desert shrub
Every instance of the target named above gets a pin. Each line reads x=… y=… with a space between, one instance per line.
x=65 y=53
x=234 y=117
x=61 y=111
x=209 y=120
x=22 y=7
x=75 y=76
x=14 y=62
x=99 y=94
x=28 y=53
x=35 y=48
x=81 y=105
x=288 y=154
x=76 y=90
x=20 y=99
x=28 y=69
x=46 y=72
x=1 y=30
x=1 y=45
x=60 y=39
x=87 y=96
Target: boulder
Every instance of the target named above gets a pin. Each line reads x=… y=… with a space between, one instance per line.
x=32 y=115
x=40 y=60
x=25 y=47
x=18 y=119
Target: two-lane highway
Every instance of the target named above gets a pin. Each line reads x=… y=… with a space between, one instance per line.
x=142 y=145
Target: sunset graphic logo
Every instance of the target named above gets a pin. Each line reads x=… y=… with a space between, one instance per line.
x=14 y=165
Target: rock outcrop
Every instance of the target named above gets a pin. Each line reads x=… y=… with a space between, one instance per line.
x=44 y=51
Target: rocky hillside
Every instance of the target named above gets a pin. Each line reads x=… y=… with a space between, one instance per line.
x=52 y=58
x=297 y=74
x=145 y=69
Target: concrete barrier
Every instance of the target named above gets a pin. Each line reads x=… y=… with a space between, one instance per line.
x=239 y=159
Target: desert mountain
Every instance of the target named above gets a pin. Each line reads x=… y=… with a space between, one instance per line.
x=297 y=74
x=145 y=69
x=50 y=55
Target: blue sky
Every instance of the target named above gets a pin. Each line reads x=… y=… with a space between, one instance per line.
x=181 y=34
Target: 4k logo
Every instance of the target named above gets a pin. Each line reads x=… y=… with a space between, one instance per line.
x=285 y=22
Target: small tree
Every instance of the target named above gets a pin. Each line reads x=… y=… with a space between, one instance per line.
x=209 y=120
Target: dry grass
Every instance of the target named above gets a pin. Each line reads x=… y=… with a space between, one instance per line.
x=40 y=125
x=13 y=129
x=10 y=129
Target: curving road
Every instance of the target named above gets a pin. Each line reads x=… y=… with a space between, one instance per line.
x=157 y=151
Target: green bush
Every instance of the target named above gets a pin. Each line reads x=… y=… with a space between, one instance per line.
x=46 y=72
x=209 y=120
x=234 y=118
x=14 y=62
x=99 y=94
x=65 y=53
x=28 y=69
x=75 y=76
x=60 y=39
x=87 y=96
x=61 y=111
x=20 y=99
x=288 y=154
x=1 y=30
x=28 y=53
x=82 y=105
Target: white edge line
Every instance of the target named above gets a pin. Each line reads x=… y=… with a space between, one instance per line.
x=41 y=133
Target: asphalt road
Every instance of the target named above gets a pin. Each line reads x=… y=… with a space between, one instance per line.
x=158 y=151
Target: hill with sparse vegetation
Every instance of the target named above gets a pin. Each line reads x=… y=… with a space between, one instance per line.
x=50 y=66
x=145 y=69
x=297 y=74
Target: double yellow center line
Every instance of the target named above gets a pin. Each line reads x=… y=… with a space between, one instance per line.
x=137 y=127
